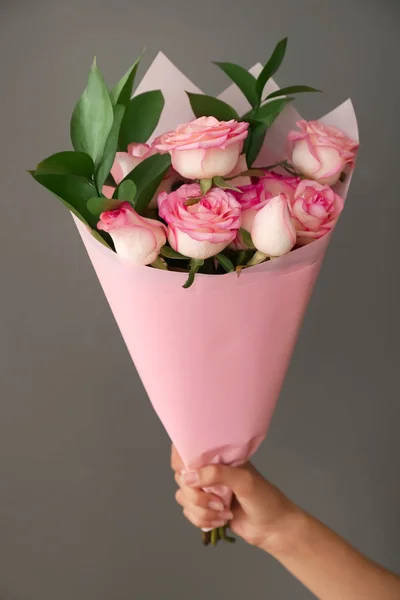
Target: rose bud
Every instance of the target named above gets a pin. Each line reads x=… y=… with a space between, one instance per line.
x=203 y=228
x=315 y=209
x=204 y=148
x=253 y=198
x=321 y=152
x=273 y=232
x=136 y=239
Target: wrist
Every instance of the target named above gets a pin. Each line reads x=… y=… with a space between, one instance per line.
x=286 y=535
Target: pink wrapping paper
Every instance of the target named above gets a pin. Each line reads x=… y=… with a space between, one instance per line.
x=213 y=358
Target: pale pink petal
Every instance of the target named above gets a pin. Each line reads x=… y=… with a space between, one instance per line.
x=108 y=191
x=124 y=163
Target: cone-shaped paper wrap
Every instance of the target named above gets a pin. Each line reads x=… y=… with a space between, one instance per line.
x=213 y=357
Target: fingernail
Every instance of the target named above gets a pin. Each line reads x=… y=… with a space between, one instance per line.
x=215 y=505
x=226 y=514
x=218 y=523
x=190 y=478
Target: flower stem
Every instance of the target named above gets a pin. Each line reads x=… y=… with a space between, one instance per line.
x=214 y=537
x=206 y=537
x=195 y=265
x=274 y=166
x=285 y=164
x=224 y=537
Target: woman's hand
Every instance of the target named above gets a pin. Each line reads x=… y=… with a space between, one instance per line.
x=325 y=563
x=260 y=513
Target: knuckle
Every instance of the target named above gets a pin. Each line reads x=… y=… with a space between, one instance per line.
x=202 y=514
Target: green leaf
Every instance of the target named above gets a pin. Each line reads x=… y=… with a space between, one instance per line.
x=122 y=91
x=74 y=192
x=160 y=263
x=254 y=142
x=225 y=263
x=195 y=265
x=190 y=280
x=243 y=257
x=168 y=252
x=267 y=113
x=147 y=176
x=258 y=258
x=110 y=148
x=246 y=238
x=141 y=118
x=207 y=106
x=92 y=118
x=126 y=191
x=225 y=185
x=96 y=206
x=292 y=89
x=245 y=81
x=205 y=185
x=259 y=121
x=271 y=67
x=67 y=163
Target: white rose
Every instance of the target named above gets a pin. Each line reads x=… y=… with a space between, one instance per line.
x=205 y=147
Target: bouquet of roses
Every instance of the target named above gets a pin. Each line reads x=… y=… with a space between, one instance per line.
x=236 y=204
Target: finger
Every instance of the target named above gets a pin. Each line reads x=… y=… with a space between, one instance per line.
x=198 y=521
x=205 y=513
x=199 y=498
x=241 y=480
x=181 y=498
x=176 y=461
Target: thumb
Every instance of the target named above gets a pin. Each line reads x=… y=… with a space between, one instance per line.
x=240 y=480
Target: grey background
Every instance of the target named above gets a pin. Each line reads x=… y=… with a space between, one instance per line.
x=86 y=503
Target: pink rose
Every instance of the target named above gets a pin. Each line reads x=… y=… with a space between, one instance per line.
x=202 y=229
x=321 y=152
x=254 y=197
x=315 y=209
x=136 y=239
x=273 y=232
x=204 y=148
x=275 y=184
x=125 y=162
